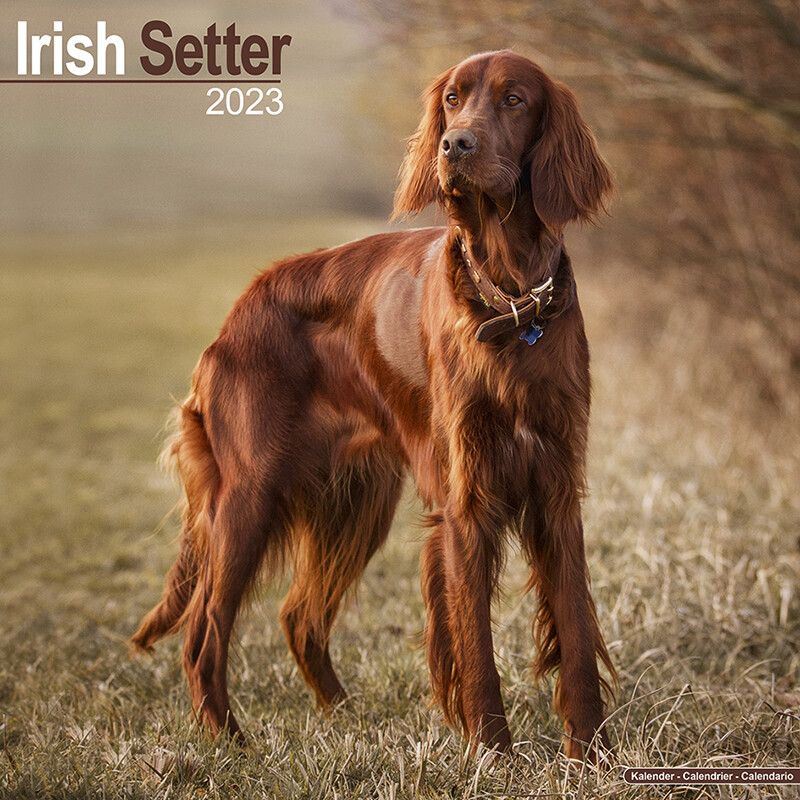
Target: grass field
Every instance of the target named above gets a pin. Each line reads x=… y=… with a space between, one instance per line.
x=692 y=526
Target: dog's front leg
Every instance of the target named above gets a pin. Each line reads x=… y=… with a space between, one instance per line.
x=566 y=628
x=458 y=573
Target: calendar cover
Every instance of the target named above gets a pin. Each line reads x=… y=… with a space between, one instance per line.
x=157 y=157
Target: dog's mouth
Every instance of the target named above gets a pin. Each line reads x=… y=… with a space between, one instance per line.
x=456 y=181
x=477 y=174
x=458 y=185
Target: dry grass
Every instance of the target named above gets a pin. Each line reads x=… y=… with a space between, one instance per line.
x=691 y=532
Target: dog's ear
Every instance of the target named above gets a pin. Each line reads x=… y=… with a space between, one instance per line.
x=569 y=178
x=419 y=184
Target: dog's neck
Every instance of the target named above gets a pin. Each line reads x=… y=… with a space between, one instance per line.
x=508 y=238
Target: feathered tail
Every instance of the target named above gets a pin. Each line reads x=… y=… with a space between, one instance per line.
x=189 y=452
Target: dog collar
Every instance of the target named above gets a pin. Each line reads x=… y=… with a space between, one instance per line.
x=514 y=311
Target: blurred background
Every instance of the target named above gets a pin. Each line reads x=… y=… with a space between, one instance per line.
x=130 y=221
x=697 y=107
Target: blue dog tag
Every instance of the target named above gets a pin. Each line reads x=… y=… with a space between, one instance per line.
x=532 y=334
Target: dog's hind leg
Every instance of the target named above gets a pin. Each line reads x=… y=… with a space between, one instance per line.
x=246 y=524
x=251 y=417
x=337 y=528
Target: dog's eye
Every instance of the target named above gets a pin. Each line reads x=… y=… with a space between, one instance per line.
x=451 y=99
x=513 y=100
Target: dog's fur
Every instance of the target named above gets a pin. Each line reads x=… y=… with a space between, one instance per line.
x=338 y=372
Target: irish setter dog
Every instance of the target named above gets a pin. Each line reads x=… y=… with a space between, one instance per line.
x=457 y=354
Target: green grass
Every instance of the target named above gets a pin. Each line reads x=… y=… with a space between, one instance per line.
x=691 y=533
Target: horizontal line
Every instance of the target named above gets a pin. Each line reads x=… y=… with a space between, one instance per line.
x=128 y=80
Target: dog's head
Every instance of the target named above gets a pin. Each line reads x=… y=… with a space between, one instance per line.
x=495 y=125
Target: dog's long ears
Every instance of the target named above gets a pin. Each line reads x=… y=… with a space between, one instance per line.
x=569 y=178
x=419 y=185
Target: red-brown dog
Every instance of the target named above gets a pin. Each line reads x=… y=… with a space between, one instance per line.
x=455 y=353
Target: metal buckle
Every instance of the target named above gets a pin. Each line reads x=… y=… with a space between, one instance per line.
x=537 y=291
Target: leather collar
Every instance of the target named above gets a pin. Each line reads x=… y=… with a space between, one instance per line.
x=514 y=312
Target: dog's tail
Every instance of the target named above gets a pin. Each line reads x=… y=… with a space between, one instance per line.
x=189 y=452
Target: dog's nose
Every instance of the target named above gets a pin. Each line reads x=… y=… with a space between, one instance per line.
x=458 y=143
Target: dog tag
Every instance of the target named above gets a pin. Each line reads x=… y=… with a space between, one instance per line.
x=532 y=334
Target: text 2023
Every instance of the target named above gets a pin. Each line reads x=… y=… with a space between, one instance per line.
x=235 y=101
